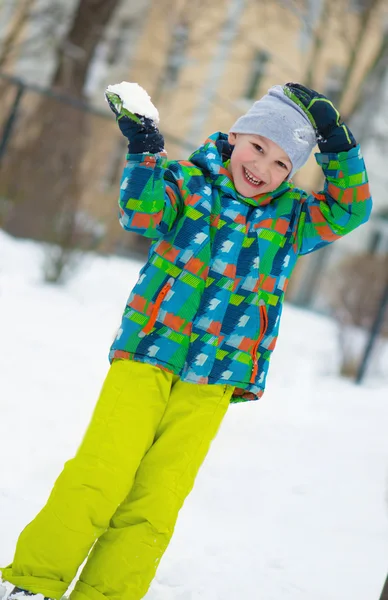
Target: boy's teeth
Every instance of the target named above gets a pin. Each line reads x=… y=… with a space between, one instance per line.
x=251 y=179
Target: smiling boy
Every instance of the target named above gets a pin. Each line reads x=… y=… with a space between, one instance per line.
x=197 y=333
x=257 y=165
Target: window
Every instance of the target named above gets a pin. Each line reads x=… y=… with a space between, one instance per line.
x=309 y=19
x=176 y=54
x=111 y=51
x=116 y=50
x=258 y=70
x=378 y=241
x=333 y=87
x=359 y=6
x=374 y=242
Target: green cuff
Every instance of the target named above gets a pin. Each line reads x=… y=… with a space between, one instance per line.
x=50 y=588
x=83 y=591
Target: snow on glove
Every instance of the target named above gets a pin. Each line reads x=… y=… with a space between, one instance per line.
x=332 y=134
x=136 y=116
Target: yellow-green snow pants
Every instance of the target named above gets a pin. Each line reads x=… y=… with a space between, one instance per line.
x=121 y=494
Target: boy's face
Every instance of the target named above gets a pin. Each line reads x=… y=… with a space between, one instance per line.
x=257 y=165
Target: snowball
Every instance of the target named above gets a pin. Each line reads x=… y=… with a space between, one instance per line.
x=304 y=135
x=135 y=99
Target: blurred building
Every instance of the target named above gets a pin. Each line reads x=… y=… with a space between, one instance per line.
x=204 y=63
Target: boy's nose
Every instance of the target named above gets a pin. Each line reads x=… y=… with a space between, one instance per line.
x=262 y=169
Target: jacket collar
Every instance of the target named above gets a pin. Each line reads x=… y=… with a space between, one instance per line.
x=213 y=158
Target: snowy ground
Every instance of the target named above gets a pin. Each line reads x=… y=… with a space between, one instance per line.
x=292 y=500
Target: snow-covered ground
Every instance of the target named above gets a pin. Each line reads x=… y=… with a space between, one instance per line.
x=292 y=500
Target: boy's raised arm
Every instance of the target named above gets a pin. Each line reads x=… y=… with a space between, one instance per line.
x=149 y=199
x=345 y=202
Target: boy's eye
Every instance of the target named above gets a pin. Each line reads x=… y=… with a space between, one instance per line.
x=257 y=147
x=282 y=165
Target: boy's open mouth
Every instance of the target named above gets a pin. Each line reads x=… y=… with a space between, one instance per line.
x=251 y=179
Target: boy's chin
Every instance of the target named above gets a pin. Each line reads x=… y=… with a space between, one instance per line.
x=251 y=193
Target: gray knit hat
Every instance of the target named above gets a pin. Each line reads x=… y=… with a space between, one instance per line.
x=276 y=117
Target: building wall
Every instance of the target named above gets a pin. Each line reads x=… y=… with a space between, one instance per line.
x=217 y=64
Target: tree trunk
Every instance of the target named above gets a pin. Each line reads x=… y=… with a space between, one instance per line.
x=44 y=163
x=77 y=51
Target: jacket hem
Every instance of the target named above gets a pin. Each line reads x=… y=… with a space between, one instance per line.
x=243 y=394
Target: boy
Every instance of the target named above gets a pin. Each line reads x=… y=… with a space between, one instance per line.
x=197 y=332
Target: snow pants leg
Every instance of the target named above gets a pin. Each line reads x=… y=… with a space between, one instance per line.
x=122 y=492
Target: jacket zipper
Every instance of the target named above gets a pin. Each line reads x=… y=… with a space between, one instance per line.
x=263 y=329
x=154 y=313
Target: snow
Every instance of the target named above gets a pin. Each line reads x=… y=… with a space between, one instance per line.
x=135 y=99
x=302 y=135
x=292 y=500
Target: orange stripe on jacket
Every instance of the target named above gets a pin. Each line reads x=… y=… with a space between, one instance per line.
x=344 y=196
x=144 y=221
x=326 y=233
x=363 y=192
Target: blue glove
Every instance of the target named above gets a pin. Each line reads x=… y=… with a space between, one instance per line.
x=332 y=134
x=141 y=132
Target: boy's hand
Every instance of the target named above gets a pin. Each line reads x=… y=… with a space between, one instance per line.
x=332 y=134
x=141 y=132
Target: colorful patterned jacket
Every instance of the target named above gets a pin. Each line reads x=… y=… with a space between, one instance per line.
x=208 y=301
